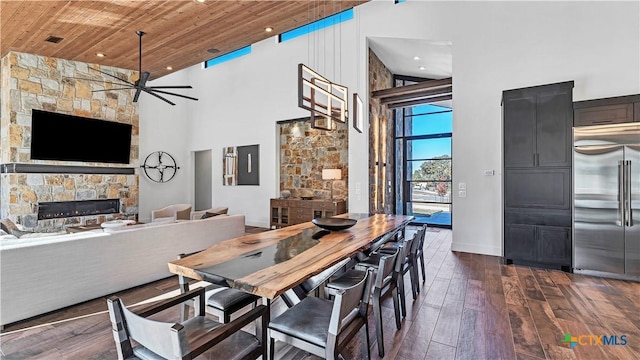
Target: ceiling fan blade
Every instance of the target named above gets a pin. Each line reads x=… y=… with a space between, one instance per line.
x=156 y=95
x=170 y=93
x=171 y=87
x=137 y=94
x=113 y=76
x=122 y=88
x=140 y=85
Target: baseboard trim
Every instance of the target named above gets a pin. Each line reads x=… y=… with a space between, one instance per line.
x=476 y=249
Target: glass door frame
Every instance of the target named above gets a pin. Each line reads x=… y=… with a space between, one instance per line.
x=406 y=183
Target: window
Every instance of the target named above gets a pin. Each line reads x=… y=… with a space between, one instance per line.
x=317 y=25
x=228 y=56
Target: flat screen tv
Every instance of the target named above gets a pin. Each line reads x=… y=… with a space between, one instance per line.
x=73 y=138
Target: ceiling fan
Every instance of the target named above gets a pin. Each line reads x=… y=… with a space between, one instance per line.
x=141 y=84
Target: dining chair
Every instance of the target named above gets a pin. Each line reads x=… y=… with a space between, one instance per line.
x=420 y=251
x=410 y=263
x=316 y=284
x=325 y=327
x=385 y=282
x=220 y=300
x=138 y=337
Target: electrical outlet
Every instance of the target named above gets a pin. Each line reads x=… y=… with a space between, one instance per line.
x=462 y=193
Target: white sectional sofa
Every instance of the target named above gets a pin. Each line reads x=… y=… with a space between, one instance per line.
x=38 y=275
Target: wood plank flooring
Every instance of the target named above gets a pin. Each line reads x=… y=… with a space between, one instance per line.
x=469 y=307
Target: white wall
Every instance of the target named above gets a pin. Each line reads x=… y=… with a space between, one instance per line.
x=496 y=46
x=166 y=128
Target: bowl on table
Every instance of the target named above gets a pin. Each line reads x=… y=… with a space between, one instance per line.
x=334 y=224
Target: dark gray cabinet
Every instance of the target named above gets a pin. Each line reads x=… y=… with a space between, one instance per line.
x=535 y=244
x=613 y=110
x=537 y=124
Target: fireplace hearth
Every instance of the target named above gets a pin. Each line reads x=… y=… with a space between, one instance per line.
x=64 y=209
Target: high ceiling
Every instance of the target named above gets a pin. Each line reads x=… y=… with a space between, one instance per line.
x=179 y=33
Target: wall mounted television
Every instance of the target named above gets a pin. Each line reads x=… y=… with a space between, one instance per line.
x=64 y=137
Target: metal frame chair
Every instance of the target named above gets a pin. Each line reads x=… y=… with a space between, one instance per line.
x=187 y=339
x=221 y=301
x=324 y=327
x=386 y=272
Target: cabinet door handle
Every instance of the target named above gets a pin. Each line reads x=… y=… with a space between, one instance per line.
x=534 y=159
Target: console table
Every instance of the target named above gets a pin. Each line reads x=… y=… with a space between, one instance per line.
x=285 y=212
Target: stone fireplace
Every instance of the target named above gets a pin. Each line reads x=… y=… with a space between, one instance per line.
x=65 y=209
x=26 y=186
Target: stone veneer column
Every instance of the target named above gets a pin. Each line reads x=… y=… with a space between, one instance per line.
x=381 y=138
x=45 y=83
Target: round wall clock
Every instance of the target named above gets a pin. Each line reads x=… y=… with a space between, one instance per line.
x=160 y=166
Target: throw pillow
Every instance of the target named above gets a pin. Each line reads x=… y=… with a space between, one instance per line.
x=183 y=214
x=209 y=215
x=219 y=210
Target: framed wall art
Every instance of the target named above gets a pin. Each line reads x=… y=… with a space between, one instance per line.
x=358 y=113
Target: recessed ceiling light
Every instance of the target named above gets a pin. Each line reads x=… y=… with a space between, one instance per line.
x=101 y=54
x=200 y=1
x=213 y=51
x=268 y=29
x=169 y=68
x=416 y=58
x=421 y=68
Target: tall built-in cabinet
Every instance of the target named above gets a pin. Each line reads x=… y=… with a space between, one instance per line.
x=537 y=144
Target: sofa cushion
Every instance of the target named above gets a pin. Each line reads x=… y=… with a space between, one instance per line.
x=197 y=215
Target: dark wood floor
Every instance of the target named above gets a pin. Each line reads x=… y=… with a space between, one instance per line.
x=470 y=307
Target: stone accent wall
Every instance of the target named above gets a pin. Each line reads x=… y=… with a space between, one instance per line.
x=305 y=151
x=45 y=83
x=381 y=138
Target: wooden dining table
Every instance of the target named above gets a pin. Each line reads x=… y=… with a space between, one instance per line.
x=270 y=263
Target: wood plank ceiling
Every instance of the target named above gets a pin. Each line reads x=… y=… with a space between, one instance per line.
x=179 y=33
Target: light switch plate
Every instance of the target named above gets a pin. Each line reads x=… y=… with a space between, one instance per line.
x=462 y=186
